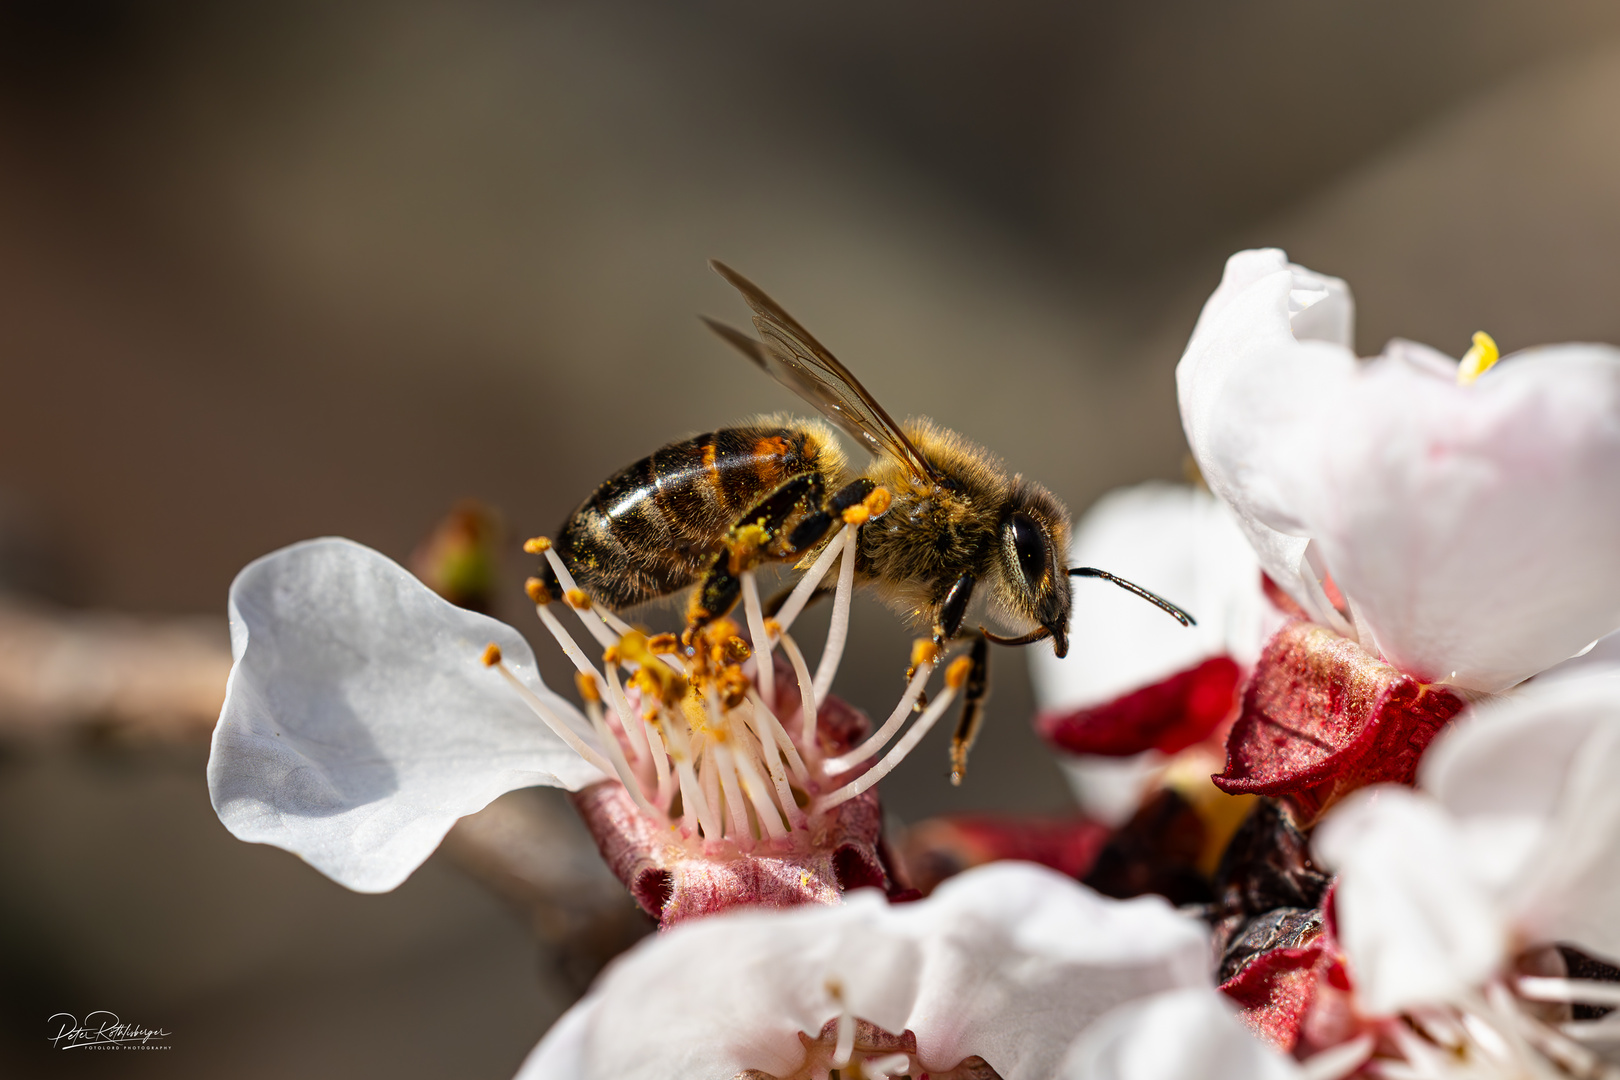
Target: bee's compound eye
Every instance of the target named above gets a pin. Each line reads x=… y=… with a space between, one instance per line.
x=1030 y=544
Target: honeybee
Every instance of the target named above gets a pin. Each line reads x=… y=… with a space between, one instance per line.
x=956 y=526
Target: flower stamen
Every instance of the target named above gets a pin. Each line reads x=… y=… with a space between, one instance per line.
x=1478 y=360
x=955 y=676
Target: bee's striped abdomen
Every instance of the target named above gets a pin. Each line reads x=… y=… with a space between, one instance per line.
x=654 y=527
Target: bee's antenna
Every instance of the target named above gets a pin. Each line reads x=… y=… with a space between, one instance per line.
x=1157 y=601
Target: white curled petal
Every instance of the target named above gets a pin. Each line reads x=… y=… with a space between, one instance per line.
x=1181 y=543
x=1416 y=922
x=1255 y=397
x=1180 y=1035
x=1535 y=774
x=1474 y=527
x=1018 y=959
x=359 y=720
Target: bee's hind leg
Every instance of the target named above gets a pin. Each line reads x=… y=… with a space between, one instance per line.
x=975 y=692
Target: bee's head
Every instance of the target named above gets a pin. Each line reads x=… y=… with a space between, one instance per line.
x=1032 y=559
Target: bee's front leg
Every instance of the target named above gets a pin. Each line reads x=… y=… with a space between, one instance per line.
x=975 y=692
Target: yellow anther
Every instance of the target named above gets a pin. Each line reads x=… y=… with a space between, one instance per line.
x=611 y=655
x=773 y=629
x=588 y=690
x=537 y=545
x=492 y=654
x=663 y=643
x=654 y=677
x=735 y=650
x=577 y=599
x=734 y=687
x=923 y=651
x=956 y=674
x=878 y=501
x=857 y=515
x=1479 y=359
x=537 y=591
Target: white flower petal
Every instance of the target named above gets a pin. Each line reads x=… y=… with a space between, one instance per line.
x=1017 y=960
x=1473 y=527
x=1174 y=540
x=1415 y=920
x=1007 y=961
x=1241 y=383
x=1180 y=1035
x=714 y=996
x=359 y=720
x=1534 y=777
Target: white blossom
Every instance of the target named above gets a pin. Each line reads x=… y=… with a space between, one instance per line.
x=1469 y=523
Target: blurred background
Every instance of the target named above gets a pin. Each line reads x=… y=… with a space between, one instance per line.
x=270 y=271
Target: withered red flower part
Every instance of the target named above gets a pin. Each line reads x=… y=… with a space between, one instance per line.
x=1321 y=718
x=1168 y=716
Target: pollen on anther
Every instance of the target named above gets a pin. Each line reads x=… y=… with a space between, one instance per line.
x=537 y=591
x=492 y=654
x=877 y=502
x=537 y=545
x=857 y=514
x=956 y=674
x=588 y=690
x=577 y=599
x=663 y=643
x=923 y=651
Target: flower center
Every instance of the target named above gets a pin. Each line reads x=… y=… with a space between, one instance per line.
x=694 y=727
x=1478 y=360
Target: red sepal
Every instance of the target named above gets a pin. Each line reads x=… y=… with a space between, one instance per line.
x=1274 y=992
x=1168 y=716
x=1321 y=718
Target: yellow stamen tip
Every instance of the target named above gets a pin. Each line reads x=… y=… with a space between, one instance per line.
x=663 y=643
x=1479 y=359
x=857 y=515
x=578 y=600
x=492 y=654
x=588 y=690
x=878 y=501
x=923 y=651
x=537 y=591
x=537 y=545
x=957 y=673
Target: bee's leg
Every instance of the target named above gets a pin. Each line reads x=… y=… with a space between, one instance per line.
x=745 y=545
x=948 y=615
x=817 y=524
x=975 y=693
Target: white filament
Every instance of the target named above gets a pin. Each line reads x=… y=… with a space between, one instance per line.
x=765 y=670
x=838 y=631
x=908 y=743
x=800 y=595
x=880 y=738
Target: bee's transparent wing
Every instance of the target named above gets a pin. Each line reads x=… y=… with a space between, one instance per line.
x=803 y=365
